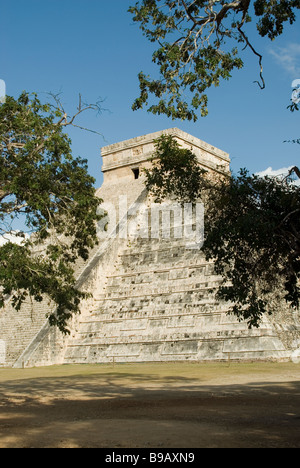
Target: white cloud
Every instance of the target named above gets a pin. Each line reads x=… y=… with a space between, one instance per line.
x=277 y=172
x=12 y=237
x=282 y=172
x=288 y=58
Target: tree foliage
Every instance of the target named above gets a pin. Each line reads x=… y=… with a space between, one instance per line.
x=199 y=43
x=252 y=230
x=52 y=197
x=174 y=172
x=253 y=233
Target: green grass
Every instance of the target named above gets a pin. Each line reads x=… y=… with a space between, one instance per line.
x=155 y=371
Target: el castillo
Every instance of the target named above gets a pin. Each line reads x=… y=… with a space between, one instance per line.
x=152 y=295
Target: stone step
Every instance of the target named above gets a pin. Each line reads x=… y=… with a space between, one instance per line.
x=207 y=347
x=191 y=267
x=139 y=308
x=111 y=335
x=109 y=314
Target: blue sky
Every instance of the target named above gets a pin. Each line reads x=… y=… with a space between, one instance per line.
x=93 y=47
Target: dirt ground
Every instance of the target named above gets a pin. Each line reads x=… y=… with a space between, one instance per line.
x=162 y=405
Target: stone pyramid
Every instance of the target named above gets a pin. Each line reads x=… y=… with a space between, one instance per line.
x=153 y=291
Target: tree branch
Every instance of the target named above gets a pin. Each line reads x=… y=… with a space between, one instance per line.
x=3 y=194
x=296 y=170
x=287 y=217
x=262 y=85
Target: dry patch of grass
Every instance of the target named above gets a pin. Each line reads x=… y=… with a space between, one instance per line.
x=170 y=405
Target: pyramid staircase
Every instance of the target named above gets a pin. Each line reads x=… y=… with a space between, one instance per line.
x=158 y=304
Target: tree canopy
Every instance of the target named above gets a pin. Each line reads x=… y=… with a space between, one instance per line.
x=252 y=229
x=50 y=196
x=199 y=43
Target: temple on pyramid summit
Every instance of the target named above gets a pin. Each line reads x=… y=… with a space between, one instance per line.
x=152 y=291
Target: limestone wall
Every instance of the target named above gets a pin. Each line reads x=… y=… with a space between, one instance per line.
x=17 y=328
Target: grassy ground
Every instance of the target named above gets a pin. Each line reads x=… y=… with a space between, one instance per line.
x=169 y=405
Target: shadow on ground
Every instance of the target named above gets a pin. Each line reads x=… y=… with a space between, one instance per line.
x=122 y=409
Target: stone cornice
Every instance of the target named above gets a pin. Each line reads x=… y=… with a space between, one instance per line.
x=176 y=132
